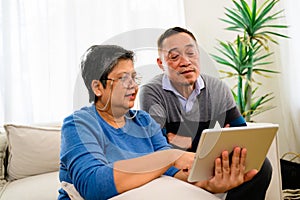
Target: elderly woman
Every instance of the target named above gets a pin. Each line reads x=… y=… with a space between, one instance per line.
x=107 y=149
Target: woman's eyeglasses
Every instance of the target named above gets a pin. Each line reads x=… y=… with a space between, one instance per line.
x=127 y=80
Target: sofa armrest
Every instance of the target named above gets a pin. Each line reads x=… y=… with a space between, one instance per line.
x=275 y=189
x=3 y=147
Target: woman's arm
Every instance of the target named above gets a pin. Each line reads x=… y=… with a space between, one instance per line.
x=132 y=173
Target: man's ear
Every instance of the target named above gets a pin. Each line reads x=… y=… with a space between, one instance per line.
x=160 y=64
x=97 y=87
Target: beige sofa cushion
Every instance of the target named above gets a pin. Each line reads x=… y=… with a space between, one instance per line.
x=32 y=150
x=39 y=187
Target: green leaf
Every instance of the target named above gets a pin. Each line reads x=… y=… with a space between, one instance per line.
x=265 y=70
x=274 y=26
x=262 y=100
x=261 y=63
x=264 y=10
x=258 y=58
x=224 y=62
x=274 y=33
x=257 y=103
x=236 y=22
x=246 y=12
x=234 y=95
x=254 y=4
x=261 y=110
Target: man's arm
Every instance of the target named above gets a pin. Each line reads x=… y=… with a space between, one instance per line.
x=152 y=101
x=234 y=118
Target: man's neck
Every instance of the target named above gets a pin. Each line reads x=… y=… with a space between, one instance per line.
x=184 y=89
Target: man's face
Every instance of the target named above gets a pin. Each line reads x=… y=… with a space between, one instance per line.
x=180 y=59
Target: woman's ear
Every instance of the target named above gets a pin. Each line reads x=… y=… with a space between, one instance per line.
x=97 y=87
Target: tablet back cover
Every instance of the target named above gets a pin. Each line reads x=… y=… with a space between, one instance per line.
x=257 y=140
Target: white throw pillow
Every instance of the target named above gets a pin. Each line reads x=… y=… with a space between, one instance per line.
x=32 y=150
x=71 y=191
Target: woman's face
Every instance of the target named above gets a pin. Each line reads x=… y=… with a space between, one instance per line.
x=121 y=87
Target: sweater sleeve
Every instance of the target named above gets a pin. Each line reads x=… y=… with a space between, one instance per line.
x=171 y=171
x=224 y=108
x=82 y=160
x=152 y=101
x=159 y=141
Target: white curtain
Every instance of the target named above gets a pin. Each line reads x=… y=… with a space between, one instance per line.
x=41 y=42
x=290 y=78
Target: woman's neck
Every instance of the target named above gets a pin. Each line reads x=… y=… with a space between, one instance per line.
x=115 y=120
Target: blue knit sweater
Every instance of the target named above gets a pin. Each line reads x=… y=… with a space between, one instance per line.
x=90 y=146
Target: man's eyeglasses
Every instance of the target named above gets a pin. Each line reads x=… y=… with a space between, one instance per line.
x=127 y=80
x=190 y=52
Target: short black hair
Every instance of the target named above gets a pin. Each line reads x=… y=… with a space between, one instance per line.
x=98 y=61
x=172 y=31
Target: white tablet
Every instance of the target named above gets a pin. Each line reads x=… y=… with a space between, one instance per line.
x=256 y=139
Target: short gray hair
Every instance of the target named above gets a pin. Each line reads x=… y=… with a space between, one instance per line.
x=98 y=61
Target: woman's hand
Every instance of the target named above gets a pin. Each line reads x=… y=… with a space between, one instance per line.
x=185 y=161
x=228 y=176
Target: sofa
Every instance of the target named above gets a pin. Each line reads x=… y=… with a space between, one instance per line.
x=29 y=163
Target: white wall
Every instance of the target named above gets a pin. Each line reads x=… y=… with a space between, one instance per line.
x=202 y=18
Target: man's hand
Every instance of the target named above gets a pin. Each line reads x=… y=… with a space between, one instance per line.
x=228 y=176
x=180 y=141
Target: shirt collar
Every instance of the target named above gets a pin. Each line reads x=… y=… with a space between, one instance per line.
x=166 y=85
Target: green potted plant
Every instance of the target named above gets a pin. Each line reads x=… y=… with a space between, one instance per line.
x=249 y=52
